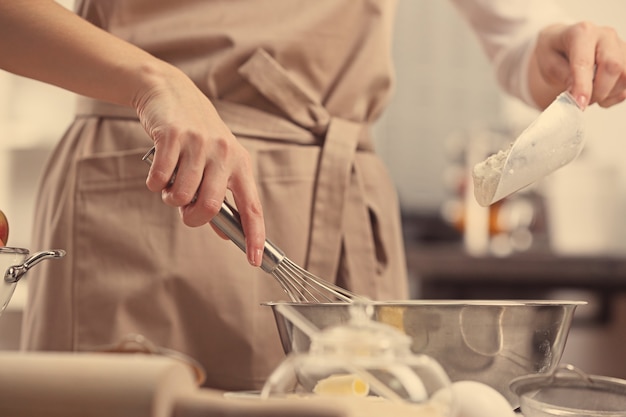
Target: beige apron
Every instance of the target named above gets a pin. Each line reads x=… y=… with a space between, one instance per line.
x=133 y=267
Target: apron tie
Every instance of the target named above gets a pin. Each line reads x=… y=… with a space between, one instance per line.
x=275 y=84
x=336 y=175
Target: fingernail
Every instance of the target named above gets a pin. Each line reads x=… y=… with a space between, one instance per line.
x=582 y=101
x=255 y=257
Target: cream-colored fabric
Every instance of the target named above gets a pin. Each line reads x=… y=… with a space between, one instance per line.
x=133 y=267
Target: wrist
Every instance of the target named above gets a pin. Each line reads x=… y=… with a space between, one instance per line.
x=150 y=77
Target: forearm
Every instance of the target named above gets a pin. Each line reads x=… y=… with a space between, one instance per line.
x=42 y=40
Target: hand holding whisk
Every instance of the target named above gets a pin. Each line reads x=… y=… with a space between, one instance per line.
x=300 y=285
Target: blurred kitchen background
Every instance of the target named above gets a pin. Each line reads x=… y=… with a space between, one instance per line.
x=565 y=237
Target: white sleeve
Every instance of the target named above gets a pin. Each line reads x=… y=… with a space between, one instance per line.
x=507 y=30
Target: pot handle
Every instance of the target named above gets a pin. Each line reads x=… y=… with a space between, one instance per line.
x=15 y=272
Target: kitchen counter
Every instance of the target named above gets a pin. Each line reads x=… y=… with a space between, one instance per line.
x=57 y=384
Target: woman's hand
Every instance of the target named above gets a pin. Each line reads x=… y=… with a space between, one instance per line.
x=587 y=60
x=192 y=140
x=44 y=41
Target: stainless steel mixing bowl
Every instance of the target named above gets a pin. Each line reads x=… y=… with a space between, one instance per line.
x=488 y=341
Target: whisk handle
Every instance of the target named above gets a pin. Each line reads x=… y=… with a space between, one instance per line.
x=229 y=222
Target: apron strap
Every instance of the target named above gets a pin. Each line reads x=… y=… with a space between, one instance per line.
x=331 y=190
x=276 y=84
x=333 y=182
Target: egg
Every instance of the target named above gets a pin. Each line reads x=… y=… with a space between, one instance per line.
x=475 y=399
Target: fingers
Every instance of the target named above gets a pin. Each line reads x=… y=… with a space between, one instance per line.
x=211 y=193
x=178 y=187
x=596 y=59
x=610 y=80
x=206 y=174
x=610 y=66
x=189 y=169
x=198 y=183
x=210 y=190
x=251 y=215
x=580 y=48
x=163 y=167
x=197 y=158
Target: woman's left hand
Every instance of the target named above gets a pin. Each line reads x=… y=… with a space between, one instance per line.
x=587 y=60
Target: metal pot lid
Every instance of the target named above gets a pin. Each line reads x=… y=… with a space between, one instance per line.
x=569 y=391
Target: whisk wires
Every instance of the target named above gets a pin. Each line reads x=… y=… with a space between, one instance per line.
x=304 y=287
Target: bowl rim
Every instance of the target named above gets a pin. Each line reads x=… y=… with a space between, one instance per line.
x=449 y=302
x=12 y=250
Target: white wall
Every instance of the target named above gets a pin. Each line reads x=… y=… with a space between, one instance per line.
x=33 y=116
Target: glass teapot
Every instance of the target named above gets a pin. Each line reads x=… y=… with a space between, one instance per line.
x=361 y=359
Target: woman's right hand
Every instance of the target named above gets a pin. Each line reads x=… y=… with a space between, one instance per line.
x=45 y=41
x=192 y=140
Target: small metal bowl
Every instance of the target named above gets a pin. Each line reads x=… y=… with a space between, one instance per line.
x=568 y=391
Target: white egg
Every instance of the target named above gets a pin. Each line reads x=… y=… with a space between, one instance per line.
x=475 y=399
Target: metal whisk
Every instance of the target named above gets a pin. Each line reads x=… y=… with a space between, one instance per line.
x=300 y=285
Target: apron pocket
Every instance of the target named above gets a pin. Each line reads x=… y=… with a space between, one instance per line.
x=286 y=180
